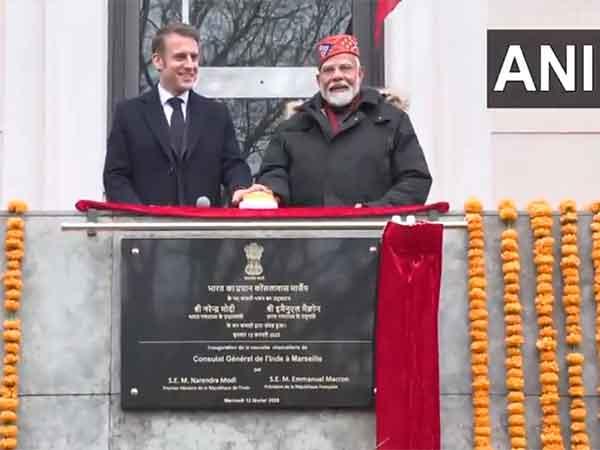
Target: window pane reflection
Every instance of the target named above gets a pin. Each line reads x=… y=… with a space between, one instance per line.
x=266 y=32
x=255 y=120
x=154 y=14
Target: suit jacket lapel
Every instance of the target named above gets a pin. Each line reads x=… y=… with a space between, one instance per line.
x=157 y=122
x=197 y=122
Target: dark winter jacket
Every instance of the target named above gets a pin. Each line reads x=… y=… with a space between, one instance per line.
x=374 y=159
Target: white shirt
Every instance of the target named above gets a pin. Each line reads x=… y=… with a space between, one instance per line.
x=165 y=96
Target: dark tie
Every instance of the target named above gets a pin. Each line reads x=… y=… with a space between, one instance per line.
x=177 y=125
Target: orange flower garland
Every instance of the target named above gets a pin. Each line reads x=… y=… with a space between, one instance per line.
x=478 y=316
x=569 y=265
x=515 y=379
x=595 y=227
x=540 y=214
x=14 y=245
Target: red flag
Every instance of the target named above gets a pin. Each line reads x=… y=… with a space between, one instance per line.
x=384 y=7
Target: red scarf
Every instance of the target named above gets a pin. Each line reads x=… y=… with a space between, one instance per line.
x=334 y=113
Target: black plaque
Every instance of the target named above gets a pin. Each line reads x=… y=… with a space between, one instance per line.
x=248 y=323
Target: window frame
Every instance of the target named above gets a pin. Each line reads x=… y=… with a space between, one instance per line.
x=124 y=47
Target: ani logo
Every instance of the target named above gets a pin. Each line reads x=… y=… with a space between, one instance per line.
x=253 y=254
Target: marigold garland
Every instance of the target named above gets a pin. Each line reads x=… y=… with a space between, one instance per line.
x=595 y=228
x=478 y=316
x=515 y=378
x=14 y=245
x=540 y=214
x=569 y=265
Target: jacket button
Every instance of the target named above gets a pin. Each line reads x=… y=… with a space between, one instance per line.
x=171 y=170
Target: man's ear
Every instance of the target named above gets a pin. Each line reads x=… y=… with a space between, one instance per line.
x=361 y=73
x=157 y=61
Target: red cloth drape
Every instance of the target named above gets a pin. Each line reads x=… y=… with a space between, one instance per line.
x=280 y=213
x=384 y=7
x=407 y=401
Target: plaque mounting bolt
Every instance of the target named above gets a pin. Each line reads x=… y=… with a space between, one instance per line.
x=134 y=392
x=135 y=251
x=373 y=249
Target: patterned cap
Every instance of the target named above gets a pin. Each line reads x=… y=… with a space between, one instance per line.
x=335 y=45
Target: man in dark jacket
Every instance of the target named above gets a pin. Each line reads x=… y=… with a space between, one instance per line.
x=172 y=146
x=346 y=145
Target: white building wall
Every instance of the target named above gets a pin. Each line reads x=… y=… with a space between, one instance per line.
x=436 y=54
x=53 y=70
x=53 y=87
x=550 y=153
x=2 y=46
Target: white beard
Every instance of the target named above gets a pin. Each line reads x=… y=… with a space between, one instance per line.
x=340 y=98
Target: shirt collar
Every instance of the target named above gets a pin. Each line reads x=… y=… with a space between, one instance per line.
x=165 y=95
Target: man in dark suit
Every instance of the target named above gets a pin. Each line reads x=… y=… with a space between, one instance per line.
x=172 y=146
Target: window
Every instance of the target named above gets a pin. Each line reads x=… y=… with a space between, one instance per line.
x=257 y=54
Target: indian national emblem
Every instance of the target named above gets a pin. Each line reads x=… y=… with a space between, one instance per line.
x=253 y=254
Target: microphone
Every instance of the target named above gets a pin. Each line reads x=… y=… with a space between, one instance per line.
x=203 y=202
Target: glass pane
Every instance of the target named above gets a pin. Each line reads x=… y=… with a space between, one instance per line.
x=266 y=32
x=154 y=14
x=247 y=32
x=255 y=120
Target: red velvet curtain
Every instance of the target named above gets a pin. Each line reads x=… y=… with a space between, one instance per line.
x=407 y=402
